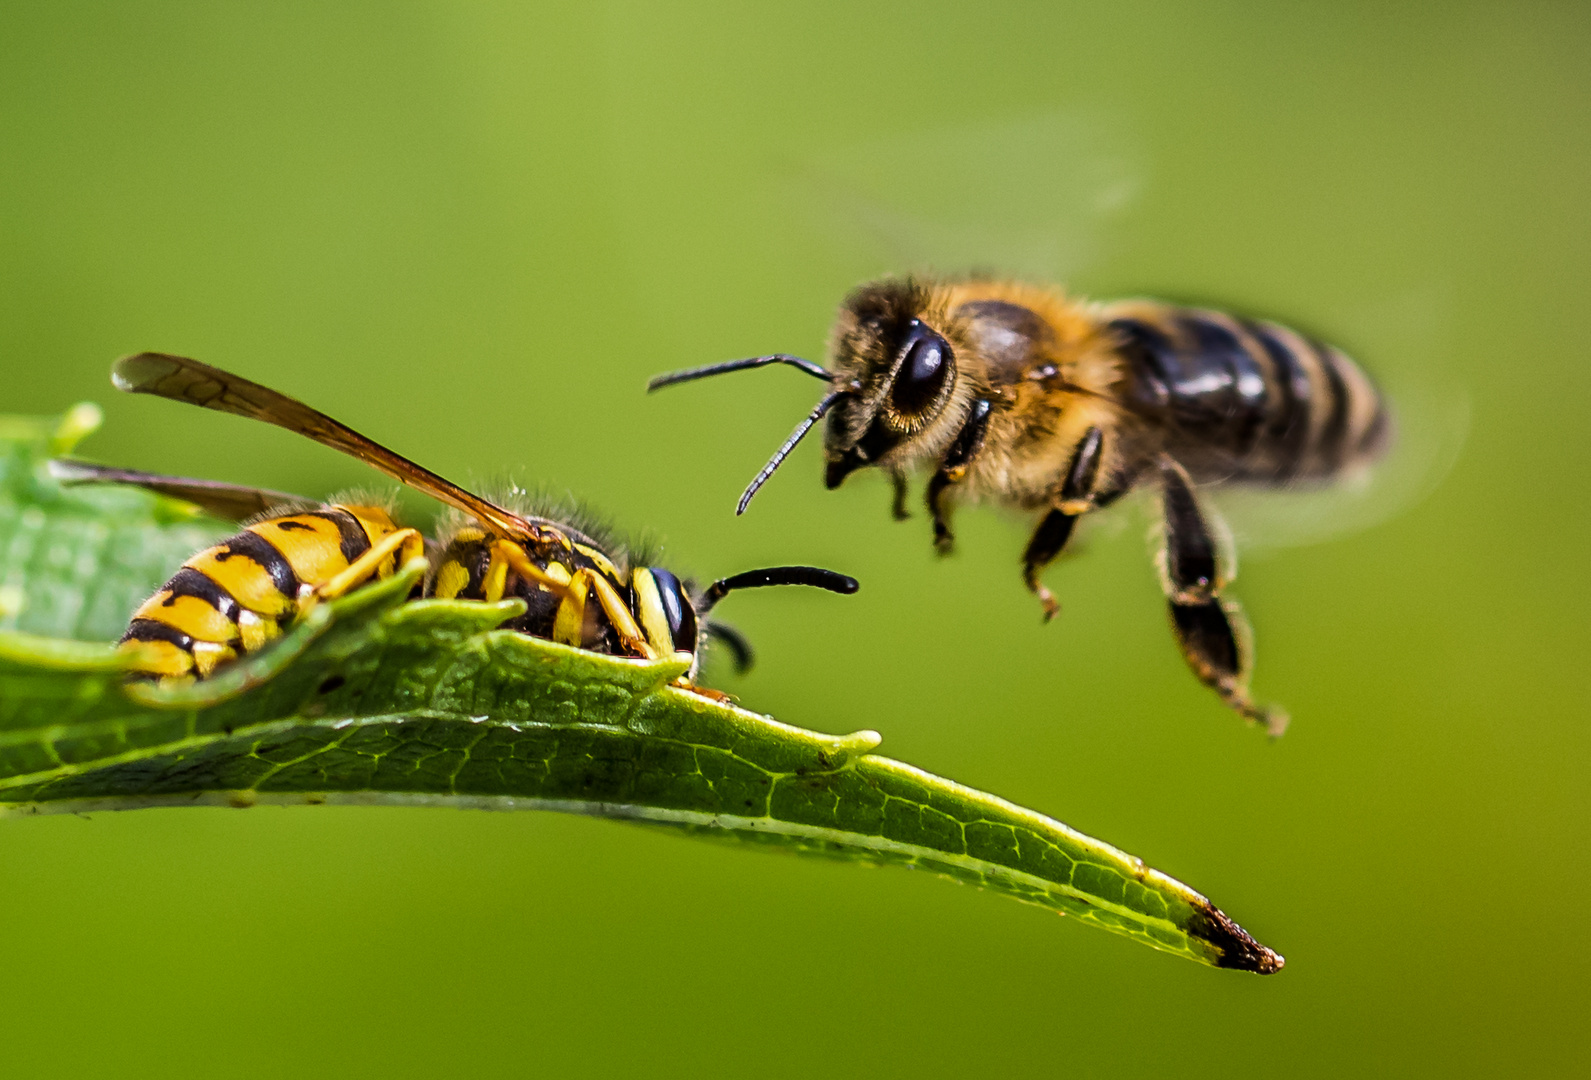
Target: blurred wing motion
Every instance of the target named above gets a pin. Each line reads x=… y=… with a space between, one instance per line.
x=1033 y=196
x=229 y=502
x=1430 y=424
x=181 y=379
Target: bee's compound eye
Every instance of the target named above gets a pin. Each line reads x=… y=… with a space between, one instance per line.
x=922 y=371
x=677 y=608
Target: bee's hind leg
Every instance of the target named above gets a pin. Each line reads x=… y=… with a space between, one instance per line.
x=1211 y=632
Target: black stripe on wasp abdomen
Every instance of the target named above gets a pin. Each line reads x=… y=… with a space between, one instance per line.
x=578 y=591
x=237 y=596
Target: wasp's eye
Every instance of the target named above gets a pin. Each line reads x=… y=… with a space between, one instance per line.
x=922 y=372
x=677 y=608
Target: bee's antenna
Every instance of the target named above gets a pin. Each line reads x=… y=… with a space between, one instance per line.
x=789 y=444
x=815 y=370
x=775 y=575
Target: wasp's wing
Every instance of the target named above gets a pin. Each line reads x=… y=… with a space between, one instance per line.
x=229 y=502
x=181 y=379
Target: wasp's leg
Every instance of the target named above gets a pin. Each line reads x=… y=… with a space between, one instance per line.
x=1211 y=632
x=716 y=696
x=739 y=648
x=619 y=616
x=953 y=468
x=569 y=623
x=1077 y=497
x=573 y=591
x=898 y=507
x=406 y=543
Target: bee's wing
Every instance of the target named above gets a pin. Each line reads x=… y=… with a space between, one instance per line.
x=228 y=502
x=181 y=379
x=1031 y=196
x=1431 y=422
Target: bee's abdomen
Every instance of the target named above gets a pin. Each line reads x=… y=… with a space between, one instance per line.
x=1245 y=400
x=230 y=599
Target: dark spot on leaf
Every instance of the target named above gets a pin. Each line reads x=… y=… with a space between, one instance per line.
x=331 y=684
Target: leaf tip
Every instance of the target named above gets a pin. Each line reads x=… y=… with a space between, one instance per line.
x=1236 y=946
x=79 y=422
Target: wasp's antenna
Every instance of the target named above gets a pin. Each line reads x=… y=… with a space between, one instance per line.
x=776 y=575
x=817 y=371
x=735 y=642
x=789 y=444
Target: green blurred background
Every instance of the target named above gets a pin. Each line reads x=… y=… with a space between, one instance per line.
x=473 y=231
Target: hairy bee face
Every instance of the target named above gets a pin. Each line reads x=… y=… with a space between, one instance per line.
x=897 y=374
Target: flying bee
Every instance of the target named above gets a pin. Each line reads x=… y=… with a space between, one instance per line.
x=235 y=597
x=1018 y=394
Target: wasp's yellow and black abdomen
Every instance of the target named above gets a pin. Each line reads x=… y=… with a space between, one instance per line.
x=233 y=598
x=1246 y=400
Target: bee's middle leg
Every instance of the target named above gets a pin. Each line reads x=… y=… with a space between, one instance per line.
x=1047 y=541
x=1076 y=498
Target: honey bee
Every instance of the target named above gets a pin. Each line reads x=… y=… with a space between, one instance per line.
x=237 y=596
x=1019 y=394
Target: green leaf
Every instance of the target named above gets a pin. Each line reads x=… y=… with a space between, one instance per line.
x=373 y=698
x=75 y=561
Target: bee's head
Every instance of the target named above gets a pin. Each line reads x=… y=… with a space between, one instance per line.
x=895 y=373
x=890 y=394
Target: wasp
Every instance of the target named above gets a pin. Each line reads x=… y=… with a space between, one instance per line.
x=237 y=596
x=1019 y=394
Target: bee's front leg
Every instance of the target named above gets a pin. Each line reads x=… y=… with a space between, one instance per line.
x=898 y=507
x=953 y=469
x=944 y=539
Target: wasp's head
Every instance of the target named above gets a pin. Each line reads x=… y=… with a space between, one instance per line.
x=675 y=620
x=666 y=611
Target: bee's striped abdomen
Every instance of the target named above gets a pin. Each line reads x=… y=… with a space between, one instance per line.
x=233 y=598
x=1247 y=400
